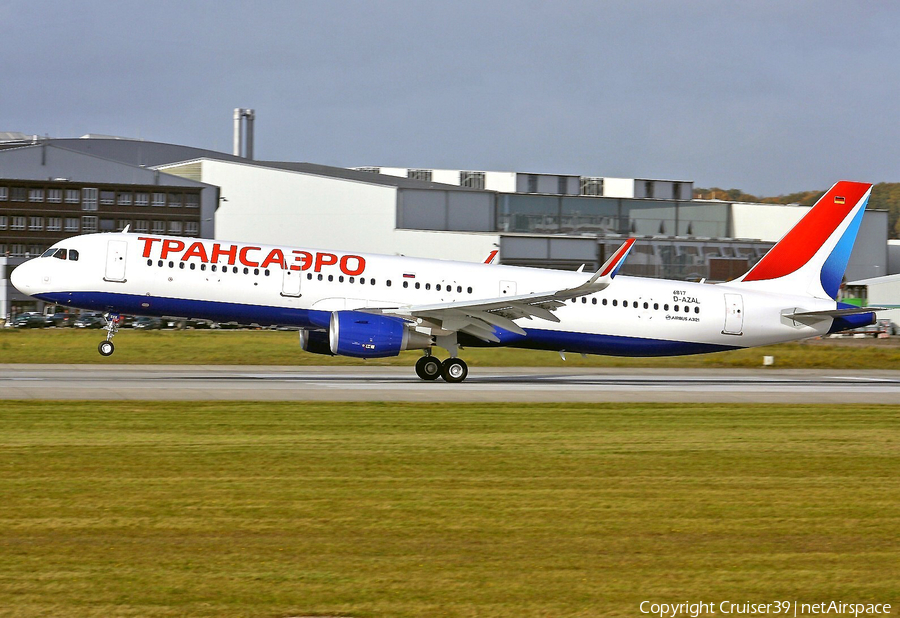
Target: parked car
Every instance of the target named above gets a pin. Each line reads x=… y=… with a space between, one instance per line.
x=147 y=323
x=90 y=320
x=60 y=319
x=31 y=319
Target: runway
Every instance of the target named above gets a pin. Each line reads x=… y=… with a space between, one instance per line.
x=505 y=384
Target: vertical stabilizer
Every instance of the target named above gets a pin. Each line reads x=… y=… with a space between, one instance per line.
x=813 y=255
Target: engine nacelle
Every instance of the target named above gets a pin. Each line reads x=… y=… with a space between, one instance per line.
x=315 y=342
x=365 y=335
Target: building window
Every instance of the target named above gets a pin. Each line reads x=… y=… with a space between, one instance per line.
x=370 y=170
x=107 y=225
x=3 y=250
x=35 y=224
x=175 y=227
x=648 y=188
x=35 y=250
x=532 y=183
x=473 y=180
x=18 y=223
x=89 y=199
x=89 y=224
x=71 y=224
x=159 y=227
x=141 y=199
x=35 y=195
x=122 y=224
x=676 y=190
x=108 y=198
x=592 y=186
x=192 y=228
x=54 y=224
x=17 y=194
x=174 y=200
x=54 y=196
x=159 y=200
x=73 y=196
x=123 y=199
x=141 y=225
x=562 y=185
x=18 y=250
x=4 y=221
x=191 y=201
x=419 y=175
x=4 y=194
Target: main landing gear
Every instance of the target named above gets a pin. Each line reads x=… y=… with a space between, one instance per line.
x=452 y=370
x=106 y=348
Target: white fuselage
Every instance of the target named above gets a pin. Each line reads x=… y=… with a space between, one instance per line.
x=229 y=281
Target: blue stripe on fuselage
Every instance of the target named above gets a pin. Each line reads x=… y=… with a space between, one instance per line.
x=264 y=315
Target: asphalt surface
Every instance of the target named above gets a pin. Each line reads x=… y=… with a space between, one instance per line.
x=505 y=384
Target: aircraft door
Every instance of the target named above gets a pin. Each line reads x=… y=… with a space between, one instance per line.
x=734 y=314
x=115 y=260
x=290 y=284
x=507 y=288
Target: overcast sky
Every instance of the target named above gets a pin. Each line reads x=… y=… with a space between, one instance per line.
x=769 y=97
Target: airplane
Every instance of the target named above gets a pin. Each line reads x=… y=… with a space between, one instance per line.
x=370 y=306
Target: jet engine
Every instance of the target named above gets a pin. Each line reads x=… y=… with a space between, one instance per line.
x=315 y=342
x=364 y=335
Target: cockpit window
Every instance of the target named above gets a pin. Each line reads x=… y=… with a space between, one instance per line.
x=48 y=252
x=73 y=255
x=60 y=254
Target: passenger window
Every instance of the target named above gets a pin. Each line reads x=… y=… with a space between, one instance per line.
x=388 y=283
x=469 y=290
x=438 y=287
x=593 y=301
x=406 y=284
x=459 y=289
x=73 y=255
x=427 y=286
x=696 y=309
x=330 y=277
x=615 y=303
x=193 y=266
x=604 y=302
x=418 y=285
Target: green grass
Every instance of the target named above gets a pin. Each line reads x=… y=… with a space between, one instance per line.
x=288 y=509
x=282 y=348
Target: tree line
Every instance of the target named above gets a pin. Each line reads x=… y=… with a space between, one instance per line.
x=885 y=196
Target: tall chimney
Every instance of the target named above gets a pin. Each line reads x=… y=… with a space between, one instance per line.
x=250 y=115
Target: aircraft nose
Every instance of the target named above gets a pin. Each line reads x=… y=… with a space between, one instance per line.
x=23 y=277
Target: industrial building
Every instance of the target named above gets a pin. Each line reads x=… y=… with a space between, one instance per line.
x=547 y=220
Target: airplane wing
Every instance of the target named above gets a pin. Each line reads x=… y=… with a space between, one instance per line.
x=479 y=318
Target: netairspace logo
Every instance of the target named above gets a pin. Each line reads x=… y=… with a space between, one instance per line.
x=785 y=608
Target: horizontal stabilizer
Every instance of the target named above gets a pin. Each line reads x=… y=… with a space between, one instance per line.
x=829 y=314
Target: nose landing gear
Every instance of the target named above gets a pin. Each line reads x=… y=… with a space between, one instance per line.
x=106 y=348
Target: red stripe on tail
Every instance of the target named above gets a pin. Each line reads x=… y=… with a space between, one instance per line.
x=803 y=241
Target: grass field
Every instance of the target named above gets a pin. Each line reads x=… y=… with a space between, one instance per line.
x=282 y=348
x=236 y=509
